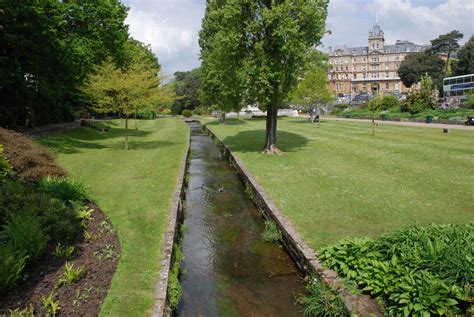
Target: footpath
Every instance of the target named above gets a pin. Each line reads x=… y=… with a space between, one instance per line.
x=410 y=124
x=49 y=129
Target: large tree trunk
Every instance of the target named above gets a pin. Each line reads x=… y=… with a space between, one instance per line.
x=126 y=132
x=271 y=128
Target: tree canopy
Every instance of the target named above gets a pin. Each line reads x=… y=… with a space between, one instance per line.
x=415 y=65
x=47 y=49
x=127 y=90
x=446 y=44
x=465 y=62
x=254 y=52
x=186 y=85
x=312 y=91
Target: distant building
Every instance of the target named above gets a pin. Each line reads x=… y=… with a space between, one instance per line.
x=371 y=68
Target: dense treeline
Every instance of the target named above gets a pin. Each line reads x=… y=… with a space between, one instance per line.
x=49 y=48
x=186 y=85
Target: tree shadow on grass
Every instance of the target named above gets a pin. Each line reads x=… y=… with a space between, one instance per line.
x=83 y=138
x=148 y=145
x=231 y=121
x=254 y=141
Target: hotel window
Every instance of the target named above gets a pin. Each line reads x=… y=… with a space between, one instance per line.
x=355 y=76
x=347 y=68
x=386 y=75
x=387 y=86
x=354 y=68
x=377 y=45
x=363 y=67
x=397 y=86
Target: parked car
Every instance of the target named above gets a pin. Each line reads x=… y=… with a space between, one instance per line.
x=360 y=98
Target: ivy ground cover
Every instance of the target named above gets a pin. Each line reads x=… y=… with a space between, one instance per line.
x=134 y=189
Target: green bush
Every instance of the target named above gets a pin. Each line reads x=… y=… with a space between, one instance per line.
x=25 y=234
x=29 y=160
x=63 y=188
x=11 y=266
x=389 y=102
x=416 y=271
x=16 y=197
x=321 y=300
x=58 y=220
x=186 y=113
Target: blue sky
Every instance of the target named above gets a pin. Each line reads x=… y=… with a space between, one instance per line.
x=171 y=26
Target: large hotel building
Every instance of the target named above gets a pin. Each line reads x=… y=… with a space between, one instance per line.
x=371 y=68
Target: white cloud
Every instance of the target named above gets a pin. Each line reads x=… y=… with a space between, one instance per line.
x=418 y=21
x=171 y=28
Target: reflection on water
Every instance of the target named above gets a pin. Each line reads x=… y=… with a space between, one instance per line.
x=228 y=269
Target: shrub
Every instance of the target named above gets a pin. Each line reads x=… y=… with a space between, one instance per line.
x=321 y=300
x=63 y=188
x=389 y=102
x=29 y=160
x=16 y=197
x=25 y=234
x=186 y=113
x=59 y=221
x=11 y=266
x=417 y=270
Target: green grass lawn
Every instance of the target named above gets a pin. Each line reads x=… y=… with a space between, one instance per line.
x=339 y=180
x=134 y=188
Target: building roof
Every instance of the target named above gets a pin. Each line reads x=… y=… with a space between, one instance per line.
x=376 y=31
x=398 y=47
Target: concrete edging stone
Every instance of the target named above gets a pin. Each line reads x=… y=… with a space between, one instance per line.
x=176 y=215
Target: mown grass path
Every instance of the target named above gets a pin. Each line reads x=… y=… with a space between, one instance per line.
x=134 y=189
x=339 y=180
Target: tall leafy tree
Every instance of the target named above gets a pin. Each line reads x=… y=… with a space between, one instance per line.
x=446 y=44
x=465 y=62
x=223 y=44
x=47 y=48
x=254 y=51
x=125 y=90
x=414 y=66
x=186 y=85
x=312 y=92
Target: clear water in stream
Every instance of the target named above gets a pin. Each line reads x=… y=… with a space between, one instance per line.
x=229 y=270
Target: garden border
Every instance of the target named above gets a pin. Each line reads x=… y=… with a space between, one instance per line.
x=300 y=252
x=176 y=214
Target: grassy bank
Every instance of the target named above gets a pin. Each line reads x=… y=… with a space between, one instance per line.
x=134 y=188
x=339 y=180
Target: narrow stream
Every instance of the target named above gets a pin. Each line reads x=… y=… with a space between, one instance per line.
x=229 y=270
